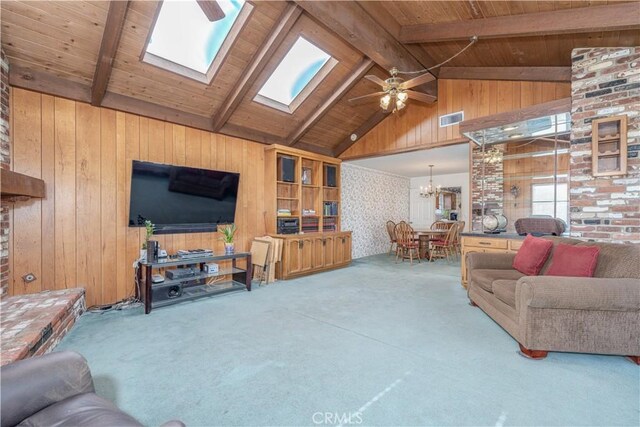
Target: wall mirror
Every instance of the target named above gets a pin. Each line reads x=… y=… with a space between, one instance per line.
x=448 y=203
x=521 y=170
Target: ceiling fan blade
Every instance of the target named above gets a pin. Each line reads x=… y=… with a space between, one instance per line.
x=366 y=98
x=211 y=9
x=375 y=79
x=422 y=97
x=417 y=81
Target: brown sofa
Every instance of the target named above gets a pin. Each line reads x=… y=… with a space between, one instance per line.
x=572 y=314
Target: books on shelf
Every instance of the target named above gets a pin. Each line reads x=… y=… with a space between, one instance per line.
x=330 y=224
x=330 y=208
x=310 y=224
x=284 y=212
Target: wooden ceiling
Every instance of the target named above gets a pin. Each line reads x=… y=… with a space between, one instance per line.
x=90 y=51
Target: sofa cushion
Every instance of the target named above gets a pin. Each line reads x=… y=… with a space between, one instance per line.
x=532 y=255
x=505 y=291
x=86 y=409
x=485 y=278
x=556 y=241
x=573 y=261
x=616 y=261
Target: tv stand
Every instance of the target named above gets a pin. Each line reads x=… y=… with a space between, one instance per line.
x=172 y=291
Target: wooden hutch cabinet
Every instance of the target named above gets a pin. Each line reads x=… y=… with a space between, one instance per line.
x=302 y=203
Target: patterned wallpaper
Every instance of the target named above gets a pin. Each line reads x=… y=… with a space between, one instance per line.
x=369 y=199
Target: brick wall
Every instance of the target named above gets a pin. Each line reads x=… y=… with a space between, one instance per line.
x=5 y=160
x=605 y=82
x=493 y=187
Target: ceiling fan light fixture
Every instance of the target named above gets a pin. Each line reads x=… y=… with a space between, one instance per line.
x=385 y=101
x=403 y=96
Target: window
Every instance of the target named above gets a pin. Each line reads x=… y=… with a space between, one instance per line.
x=542 y=201
x=299 y=72
x=184 y=41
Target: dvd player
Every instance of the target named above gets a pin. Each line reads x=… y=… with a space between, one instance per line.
x=181 y=273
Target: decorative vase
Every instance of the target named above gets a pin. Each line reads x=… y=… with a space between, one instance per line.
x=229 y=248
x=143 y=255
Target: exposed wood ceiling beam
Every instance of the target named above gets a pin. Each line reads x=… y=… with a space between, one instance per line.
x=558 y=106
x=57 y=86
x=255 y=135
x=108 y=48
x=155 y=111
x=536 y=74
x=613 y=17
x=355 y=76
x=260 y=59
x=378 y=12
x=371 y=122
x=351 y=22
x=211 y=9
x=48 y=83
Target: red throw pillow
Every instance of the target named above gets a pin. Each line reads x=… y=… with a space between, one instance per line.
x=574 y=261
x=532 y=255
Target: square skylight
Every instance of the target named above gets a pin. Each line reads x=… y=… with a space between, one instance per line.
x=184 y=36
x=294 y=73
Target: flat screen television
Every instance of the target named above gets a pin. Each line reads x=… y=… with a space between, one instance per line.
x=179 y=199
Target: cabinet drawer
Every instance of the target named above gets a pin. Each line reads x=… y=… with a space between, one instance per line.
x=514 y=245
x=480 y=242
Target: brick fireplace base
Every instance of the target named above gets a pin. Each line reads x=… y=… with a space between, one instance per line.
x=32 y=325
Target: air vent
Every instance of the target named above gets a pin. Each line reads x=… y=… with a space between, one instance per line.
x=451 y=119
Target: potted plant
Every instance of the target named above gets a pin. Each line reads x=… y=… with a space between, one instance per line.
x=227 y=232
x=149 y=226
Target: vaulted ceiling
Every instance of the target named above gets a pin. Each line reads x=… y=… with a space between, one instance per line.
x=91 y=51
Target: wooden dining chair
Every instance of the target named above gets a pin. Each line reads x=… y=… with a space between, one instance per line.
x=461 y=225
x=439 y=225
x=392 y=236
x=407 y=245
x=444 y=247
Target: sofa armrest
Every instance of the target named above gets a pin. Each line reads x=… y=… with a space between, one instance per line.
x=30 y=385
x=578 y=293
x=490 y=261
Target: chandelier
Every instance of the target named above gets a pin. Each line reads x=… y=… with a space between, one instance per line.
x=493 y=156
x=429 y=190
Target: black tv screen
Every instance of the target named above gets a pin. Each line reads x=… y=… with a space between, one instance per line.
x=179 y=199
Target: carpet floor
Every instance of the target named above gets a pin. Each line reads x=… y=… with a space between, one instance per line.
x=372 y=344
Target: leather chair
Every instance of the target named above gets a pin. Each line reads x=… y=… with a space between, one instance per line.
x=56 y=390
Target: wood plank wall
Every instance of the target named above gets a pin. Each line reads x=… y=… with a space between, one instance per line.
x=78 y=234
x=416 y=127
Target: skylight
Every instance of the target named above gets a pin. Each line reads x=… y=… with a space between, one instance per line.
x=183 y=35
x=296 y=70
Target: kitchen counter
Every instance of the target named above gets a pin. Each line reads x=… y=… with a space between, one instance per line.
x=493 y=236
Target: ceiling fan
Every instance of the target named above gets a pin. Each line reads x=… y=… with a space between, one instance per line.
x=395 y=91
x=211 y=9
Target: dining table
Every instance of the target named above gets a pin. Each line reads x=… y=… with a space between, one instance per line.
x=424 y=235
